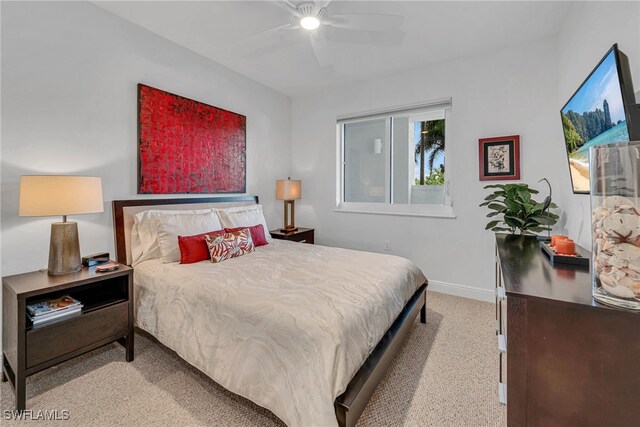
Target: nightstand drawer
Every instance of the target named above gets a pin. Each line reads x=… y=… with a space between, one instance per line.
x=48 y=342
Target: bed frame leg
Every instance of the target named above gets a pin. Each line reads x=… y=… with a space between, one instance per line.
x=423 y=310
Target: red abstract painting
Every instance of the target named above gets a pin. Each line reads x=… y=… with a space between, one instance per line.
x=185 y=146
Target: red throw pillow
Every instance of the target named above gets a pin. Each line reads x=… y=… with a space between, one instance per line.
x=194 y=248
x=229 y=245
x=257 y=234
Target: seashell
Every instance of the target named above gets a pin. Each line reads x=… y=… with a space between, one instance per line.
x=603 y=259
x=619 y=275
x=613 y=202
x=633 y=275
x=598 y=214
x=621 y=225
x=610 y=285
x=607 y=246
x=627 y=210
x=617 y=262
x=626 y=252
x=607 y=279
x=636 y=289
x=628 y=282
x=607 y=270
x=634 y=267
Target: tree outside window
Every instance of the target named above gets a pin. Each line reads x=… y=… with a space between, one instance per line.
x=429 y=152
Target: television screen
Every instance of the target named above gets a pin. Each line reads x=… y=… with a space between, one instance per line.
x=594 y=115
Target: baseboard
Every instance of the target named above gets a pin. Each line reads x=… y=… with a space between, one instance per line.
x=462 y=291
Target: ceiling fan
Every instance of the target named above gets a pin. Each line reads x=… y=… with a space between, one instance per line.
x=326 y=26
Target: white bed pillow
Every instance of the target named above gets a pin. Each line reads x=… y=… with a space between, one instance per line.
x=144 y=233
x=243 y=216
x=171 y=226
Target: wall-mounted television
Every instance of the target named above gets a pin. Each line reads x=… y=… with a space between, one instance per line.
x=602 y=111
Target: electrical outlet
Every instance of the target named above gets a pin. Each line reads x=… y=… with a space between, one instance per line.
x=387 y=245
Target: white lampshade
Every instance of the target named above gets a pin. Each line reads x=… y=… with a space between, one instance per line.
x=288 y=189
x=58 y=195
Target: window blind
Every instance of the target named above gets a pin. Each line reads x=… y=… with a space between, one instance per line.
x=396 y=111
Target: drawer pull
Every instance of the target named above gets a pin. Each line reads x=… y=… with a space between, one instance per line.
x=502 y=343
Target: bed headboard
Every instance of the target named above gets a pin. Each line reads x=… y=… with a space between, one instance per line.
x=125 y=210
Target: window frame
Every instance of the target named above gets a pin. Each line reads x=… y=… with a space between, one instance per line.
x=388 y=207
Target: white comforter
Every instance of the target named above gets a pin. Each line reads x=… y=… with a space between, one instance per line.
x=286 y=326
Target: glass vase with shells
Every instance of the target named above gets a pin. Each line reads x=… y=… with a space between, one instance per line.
x=615 y=209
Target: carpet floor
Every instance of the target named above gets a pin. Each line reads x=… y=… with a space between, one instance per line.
x=446 y=374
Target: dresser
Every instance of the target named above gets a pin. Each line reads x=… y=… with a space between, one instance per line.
x=564 y=359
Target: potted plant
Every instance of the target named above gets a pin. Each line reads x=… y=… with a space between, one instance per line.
x=517 y=211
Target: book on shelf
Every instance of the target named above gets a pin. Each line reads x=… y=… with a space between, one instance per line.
x=55 y=316
x=43 y=308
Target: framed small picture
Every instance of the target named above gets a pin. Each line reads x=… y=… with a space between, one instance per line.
x=499 y=158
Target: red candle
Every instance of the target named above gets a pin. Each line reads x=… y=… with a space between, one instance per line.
x=565 y=247
x=556 y=237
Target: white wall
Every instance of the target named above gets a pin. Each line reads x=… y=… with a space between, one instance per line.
x=69 y=75
x=507 y=92
x=589 y=31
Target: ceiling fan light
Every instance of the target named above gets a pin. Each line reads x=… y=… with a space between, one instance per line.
x=309 y=22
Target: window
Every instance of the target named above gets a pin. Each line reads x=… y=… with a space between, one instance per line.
x=395 y=161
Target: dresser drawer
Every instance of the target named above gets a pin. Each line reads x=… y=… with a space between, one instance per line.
x=48 y=342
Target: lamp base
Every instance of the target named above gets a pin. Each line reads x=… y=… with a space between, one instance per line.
x=289 y=229
x=64 y=249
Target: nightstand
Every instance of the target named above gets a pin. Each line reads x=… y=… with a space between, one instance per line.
x=303 y=235
x=107 y=316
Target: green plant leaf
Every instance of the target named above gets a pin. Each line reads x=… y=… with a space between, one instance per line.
x=524 y=194
x=496 y=206
x=490 y=214
x=511 y=222
x=512 y=192
x=491 y=224
x=495 y=186
x=544 y=220
x=537 y=208
x=514 y=218
x=511 y=205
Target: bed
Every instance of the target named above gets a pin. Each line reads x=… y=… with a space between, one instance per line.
x=305 y=331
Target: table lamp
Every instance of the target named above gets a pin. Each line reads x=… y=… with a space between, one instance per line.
x=52 y=195
x=289 y=190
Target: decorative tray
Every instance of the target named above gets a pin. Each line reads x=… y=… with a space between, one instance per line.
x=581 y=257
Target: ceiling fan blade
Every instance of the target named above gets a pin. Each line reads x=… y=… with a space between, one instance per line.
x=270 y=41
x=319 y=47
x=366 y=21
x=322 y=4
x=288 y=6
x=275 y=32
x=376 y=38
